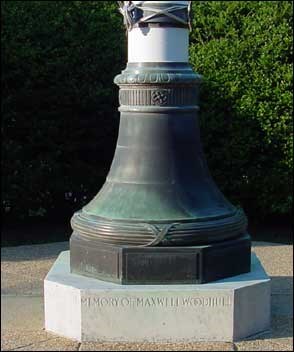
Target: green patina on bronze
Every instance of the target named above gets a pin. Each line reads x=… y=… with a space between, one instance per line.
x=159 y=173
x=159 y=218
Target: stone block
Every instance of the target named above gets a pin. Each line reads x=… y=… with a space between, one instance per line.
x=91 y=310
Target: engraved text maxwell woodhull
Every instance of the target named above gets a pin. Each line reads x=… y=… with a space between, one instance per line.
x=157 y=302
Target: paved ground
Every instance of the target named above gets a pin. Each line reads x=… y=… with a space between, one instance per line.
x=23 y=270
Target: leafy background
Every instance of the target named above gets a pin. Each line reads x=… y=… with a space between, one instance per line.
x=59 y=103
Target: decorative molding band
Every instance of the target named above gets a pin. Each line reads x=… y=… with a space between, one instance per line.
x=155 y=73
x=179 y=96
x=157 y=78
x=127 y=233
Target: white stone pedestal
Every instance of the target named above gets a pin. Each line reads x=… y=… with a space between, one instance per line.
x=89 y=310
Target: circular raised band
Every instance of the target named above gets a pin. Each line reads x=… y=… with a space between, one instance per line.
x=158 y=73
x=136 y=233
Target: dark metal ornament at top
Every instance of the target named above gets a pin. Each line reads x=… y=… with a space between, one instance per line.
x=159 y=217
x=158 y=14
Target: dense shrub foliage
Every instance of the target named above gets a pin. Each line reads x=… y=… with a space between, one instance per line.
x=244 y=51
x=59 y=102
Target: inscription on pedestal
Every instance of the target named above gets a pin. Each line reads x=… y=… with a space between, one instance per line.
x=156 y=302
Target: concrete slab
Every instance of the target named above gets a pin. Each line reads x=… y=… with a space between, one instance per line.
x=277 y=260
x=34 y=252
x=157 y=347
x=91 y=310
x=279 y=338
x=39 y=340
x=267 y=345
x=24 y=268
x=22 y=313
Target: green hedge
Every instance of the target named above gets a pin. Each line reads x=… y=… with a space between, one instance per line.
x=244 y=51
x=59 y=103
